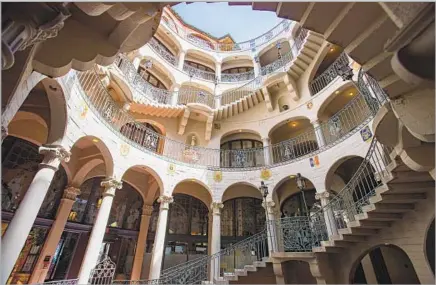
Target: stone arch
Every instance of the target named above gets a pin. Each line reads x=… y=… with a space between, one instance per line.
x=194 y=85
x=141 y=169
x=93 y=145
x=195 y=188
x=322 y=54
x=341 y=91
x=272 y=45
x=331 y=172
x=241 y=189
x=240 y=133
x=287 y=187
x=45 y=110
x=429 y=244
x=166 y=36
x=392 y=266
x=201 y=57
x=160 y=71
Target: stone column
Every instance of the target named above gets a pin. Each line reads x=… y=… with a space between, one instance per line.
x=267 y=151
x=159 y=239
x=215 y=239
x=19 y=228
x=54 y=235
x=175 y=97
x=98 y=230
x=136 y=62
x=256 y=66
x=147 y=210
x=181 y=59
x=218 y=70
x=270 y=209
x=318 y=133
x=329 y=216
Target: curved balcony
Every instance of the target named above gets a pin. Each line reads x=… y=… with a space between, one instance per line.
x=333 y=71
x=159 y=49
x=237 y=77
x=186 y=35
x=351 y=118
x=198 y=73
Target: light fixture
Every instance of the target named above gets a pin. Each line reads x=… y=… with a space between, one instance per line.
x=95 y=140
x=240 y=131
x=301 y=182
x=337 y=92
x=351 y=94
x=263 y=189
x=332 y=49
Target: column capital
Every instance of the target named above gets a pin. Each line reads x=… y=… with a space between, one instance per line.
x=315 y=122
x=70 y=193
x=216 y=208
x=53 y=155
x=147 y=210
x=269 y=206
x=111 y=184
x=322 y=195
x=165 y=201
x=266 y=139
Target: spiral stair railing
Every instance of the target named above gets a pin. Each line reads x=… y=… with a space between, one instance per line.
x=324 y=79
x=341 y=125
x=184 y=33
x=300 y=233
x=144 y=92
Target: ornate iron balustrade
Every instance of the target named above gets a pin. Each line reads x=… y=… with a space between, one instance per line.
x=236 y=77
x=320 y=82
x=158 y=48
x=198 y=73
x=355 y=114
x=196 y=96
x=144 y=92
x=278 y=64
x=185 y=34
x=61 y=282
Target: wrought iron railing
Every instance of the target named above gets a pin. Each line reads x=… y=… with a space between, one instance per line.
x=237 y=77
x=60 y=282
x=167 y=56
x=354 y=115
x=187 y=35
x=277 y=64
x=143 y=92
x=198 y=73
x=196 y=96
x=324 y=79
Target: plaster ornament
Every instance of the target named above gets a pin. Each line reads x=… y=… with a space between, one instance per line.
x=218 y=176
x=265 y=174
x=124 y=149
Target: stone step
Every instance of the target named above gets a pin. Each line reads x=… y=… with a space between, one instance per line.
x=373 y=216
x=336 y=243
x=397 y=198
x=408 y=187
x=348 y=238
x=357 y=231
x=388 y=208
x=241 y=272
x=259 y=263
x=406 y=177
x=250 y=268
x=323 y=249
x=368 y=224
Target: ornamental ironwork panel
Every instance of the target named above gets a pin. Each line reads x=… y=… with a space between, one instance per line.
x=103 y=273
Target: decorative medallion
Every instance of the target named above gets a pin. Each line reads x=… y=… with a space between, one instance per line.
x=314 y=161
x=83 y=109
x=366 y=133
x=171 y=169
x=124 y=149
x=217 y=176
x=309 y=105
x=265 y=174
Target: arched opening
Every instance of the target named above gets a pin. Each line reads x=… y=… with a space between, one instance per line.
x=384 y=264
x=291 y=139
x=20 y=163
x=274 y=56
x=166 y=45
x=327 y=69
x=201 y=40
x=237 y=68
x=430 y=246
x=200 y=65
x=297 y=272
x=155 y=73
x=241 y=149
x=342 y=112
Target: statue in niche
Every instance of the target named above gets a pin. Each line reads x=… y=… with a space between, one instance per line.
x=132 y=218
x=190 y=154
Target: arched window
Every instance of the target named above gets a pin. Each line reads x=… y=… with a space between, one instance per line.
x=150 y=78
x=126 y=209
x=85 y=207
x=233 y=156
x=242 y=217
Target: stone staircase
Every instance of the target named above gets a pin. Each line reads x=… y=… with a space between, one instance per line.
x=242 y=272
x=401 y=188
